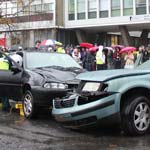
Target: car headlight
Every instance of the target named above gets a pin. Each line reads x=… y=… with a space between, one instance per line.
x=55 y=85
x=91 y=86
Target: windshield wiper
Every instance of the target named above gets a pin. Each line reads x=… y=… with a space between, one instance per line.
x=56 y=67
x=73 y=68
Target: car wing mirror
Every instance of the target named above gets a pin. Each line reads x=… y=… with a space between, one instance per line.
x=15 y=69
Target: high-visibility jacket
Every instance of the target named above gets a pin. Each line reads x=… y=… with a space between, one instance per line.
x=60 y=50
x=4 y=65
x=100 y=58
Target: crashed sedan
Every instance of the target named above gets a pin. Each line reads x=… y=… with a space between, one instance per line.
x=41 y=77
x=110 y=97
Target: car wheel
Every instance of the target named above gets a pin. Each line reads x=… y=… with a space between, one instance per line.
x=29 y=107
x=136 y=116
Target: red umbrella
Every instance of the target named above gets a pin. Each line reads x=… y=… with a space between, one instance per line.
x=86 y=45
x=128 y=49
x=93 y=49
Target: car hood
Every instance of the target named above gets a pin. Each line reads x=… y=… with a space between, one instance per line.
x=105 y=75
x=50 y=74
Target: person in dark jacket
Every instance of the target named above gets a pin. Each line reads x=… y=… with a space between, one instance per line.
x=89 y=61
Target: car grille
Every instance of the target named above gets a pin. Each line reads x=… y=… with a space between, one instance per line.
x=64 y=103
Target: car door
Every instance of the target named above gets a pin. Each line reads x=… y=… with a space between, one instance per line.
x=11 y=80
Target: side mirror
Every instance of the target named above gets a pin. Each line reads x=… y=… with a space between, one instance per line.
x=15 y=69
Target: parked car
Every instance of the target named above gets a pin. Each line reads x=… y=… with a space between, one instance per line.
x=41 y=77
x=110 y=97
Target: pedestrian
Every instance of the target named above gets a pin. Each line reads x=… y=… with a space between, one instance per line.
x=129 y=60
x=4 y=65
x=89 y=60
x=144 y=53
x=59 y=47
x=100 y=58
x=110 y=59
x=37 y=44
x=77 y=56
x=117 y=58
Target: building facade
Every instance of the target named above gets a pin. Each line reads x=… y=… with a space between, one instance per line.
x=104 y=22
x=26 y=21
x=96 y=18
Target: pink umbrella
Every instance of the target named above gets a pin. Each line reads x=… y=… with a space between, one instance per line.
x=93 y=49
x=48 y=42
x=128 y=49
x=86 y=45
x=118 y=46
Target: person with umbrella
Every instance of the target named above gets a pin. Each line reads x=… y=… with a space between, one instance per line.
x=129 y=60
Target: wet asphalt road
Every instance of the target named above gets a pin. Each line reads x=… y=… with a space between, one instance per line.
x=18 y=133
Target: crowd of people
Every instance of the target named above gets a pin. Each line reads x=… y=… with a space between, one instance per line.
x=108 y=57
x=101 y=58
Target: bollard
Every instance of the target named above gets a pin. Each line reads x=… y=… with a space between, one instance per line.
x=19 y=106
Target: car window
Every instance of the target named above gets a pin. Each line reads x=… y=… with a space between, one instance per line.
x=44 y=59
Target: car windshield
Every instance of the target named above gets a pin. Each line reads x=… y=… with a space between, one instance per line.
x=44 y=59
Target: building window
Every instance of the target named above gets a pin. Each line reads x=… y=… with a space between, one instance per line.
x=103 y=7
x=14 y=11
x=127 y=7
x=48 y=7
x=115 y=8
x=71 y=10
x=92 y=9
x=80 y=9
x=140 y=7
x=36 y=9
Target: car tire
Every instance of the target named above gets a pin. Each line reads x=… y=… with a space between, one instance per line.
x=136 y=116
x=29 y=107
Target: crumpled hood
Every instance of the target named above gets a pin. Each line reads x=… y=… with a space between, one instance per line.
x=105 y=75
x=50 y=74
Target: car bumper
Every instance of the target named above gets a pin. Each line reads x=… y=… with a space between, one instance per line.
x=101 y=111
x=45 y=96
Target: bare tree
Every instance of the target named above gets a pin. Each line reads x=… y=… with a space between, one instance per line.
x=6 y=19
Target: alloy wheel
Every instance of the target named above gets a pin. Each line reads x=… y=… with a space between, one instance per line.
x=142 y=116
x=27 y=104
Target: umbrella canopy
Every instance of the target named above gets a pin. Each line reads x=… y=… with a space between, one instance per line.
x=48 y=42
x=86 y=45
x=110 y=48
x=118 y=46
x=93 y=49
x=128 y=49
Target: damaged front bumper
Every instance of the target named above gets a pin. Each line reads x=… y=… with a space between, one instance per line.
x=77 y=111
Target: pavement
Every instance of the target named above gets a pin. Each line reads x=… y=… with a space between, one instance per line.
x=44 y=133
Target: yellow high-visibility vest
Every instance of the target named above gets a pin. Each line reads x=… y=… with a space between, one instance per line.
x=60 y=50
x=4 y=65
x=98 y=60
